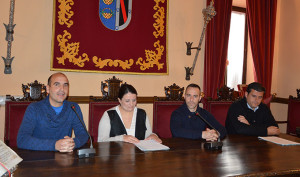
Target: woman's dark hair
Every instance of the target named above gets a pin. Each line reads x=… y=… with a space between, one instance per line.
x=126 y=88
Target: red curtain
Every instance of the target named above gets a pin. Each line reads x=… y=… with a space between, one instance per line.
x=261 y=19
x=216 y=44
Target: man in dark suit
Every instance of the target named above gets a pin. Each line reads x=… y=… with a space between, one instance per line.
x=249 y=116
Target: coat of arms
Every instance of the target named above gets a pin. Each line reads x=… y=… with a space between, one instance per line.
x=115 y=14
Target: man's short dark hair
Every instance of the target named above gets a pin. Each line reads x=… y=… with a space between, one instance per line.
x=194 y=86
x=255 y=86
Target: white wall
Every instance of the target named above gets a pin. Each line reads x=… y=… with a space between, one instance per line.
x=286 y=57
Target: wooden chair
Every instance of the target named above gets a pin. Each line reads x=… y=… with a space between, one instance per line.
x=15 y=109
x=96 y=110
x=34 y=91
x=242 y=89
x=163 y=108
x=14 y=112
x=174 y=92
x=110 y=89
x=97 y=106
x=219 y=107
x=162 y=111
x=226 y=94
x=293 y=119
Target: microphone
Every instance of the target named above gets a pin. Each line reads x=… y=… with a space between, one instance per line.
x=214 y=145
x=87 y=152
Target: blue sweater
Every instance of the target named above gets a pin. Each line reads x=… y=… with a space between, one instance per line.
x=41 y=127
x=186 y=124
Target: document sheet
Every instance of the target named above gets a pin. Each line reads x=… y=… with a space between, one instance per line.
x=151 y=145
x=8 y=158
x=280 y=141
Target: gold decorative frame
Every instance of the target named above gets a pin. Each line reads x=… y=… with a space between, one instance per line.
x=70 y=50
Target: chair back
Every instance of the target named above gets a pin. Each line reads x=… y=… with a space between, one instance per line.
x=15 y=109
x=14 y=112
x=218 y=109
x=110 y=89
x=242 y=89
x=96 y=110
x=293 y=119
x=174 y=92
x=34 y=91
x=162 y=111
x=226 y=94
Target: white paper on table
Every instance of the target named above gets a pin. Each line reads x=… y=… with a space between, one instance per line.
x=279 y=141
x=151 y=145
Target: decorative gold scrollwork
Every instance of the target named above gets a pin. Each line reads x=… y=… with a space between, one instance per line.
x=152 y=58
x=65 y=13
x=109 y=62
x=159 y=17
x=70 y=50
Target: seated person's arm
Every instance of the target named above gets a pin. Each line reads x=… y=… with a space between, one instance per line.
x=65 y=145
x=104 y=130
x=149 y=135
x=177 y=129
x=213 y=121
x=243 y=119
x=210 y=135
x=273 y=128
x=235 y=121
x=25 y=140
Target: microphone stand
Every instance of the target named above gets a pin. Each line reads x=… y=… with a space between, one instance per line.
x=87 y=152
x=213 y=145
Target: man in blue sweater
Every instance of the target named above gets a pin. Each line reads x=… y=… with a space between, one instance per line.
x=186 y=124
x=47 y=125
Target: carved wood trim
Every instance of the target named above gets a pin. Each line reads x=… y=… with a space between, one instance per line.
x=150 y=99
x=87 y=99
x=280 y=100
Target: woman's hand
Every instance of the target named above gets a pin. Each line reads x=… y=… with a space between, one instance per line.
x=130 y=139
x=154 y=137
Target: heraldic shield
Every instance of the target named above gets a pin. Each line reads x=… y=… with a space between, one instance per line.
x=115 y=14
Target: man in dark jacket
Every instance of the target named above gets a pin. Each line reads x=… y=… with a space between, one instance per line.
x=249 y=116
x=185 y=122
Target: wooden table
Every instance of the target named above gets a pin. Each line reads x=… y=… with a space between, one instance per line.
x=240 y=156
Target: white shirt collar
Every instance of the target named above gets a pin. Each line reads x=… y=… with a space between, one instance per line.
x=252 y=108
